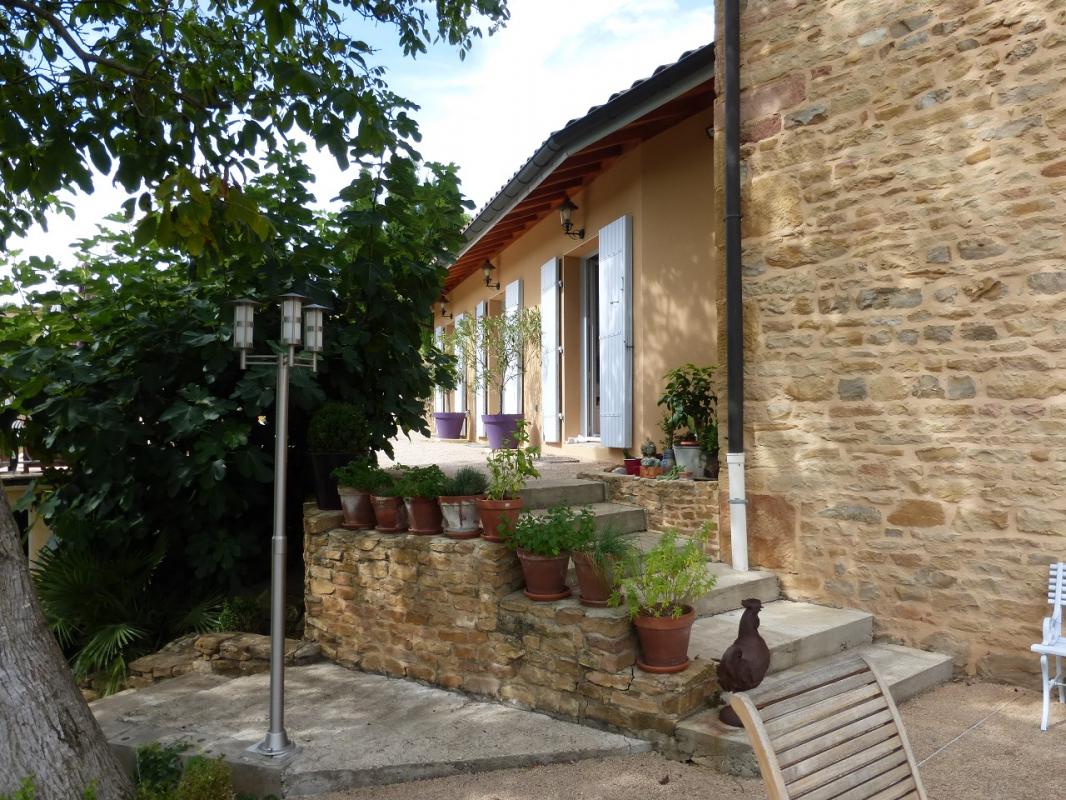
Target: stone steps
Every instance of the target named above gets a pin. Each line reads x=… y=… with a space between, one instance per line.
x=796 y=632
x=908 y=672
x=545 y=493
x=626 y=519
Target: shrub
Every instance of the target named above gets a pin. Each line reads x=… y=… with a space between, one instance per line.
x=666 y=579
x=509 y=468
x=467 y=482
x=425 y=481
x=360 y=475
x=158 y=770
x=245 y=613
x=205 y=779
x=691 y=403
x=338 y=428
x=554 y=533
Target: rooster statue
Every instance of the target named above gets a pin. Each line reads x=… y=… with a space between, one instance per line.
x=745 y=663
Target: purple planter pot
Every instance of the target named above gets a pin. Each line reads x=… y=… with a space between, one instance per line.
x=500 y=429
x=449 y=424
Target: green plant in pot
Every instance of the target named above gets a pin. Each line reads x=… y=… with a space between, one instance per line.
x=659 y=590
x=508 y=470
x=389 y=508
x=597 y=555
x=420 y=487
x=356 y=481
x=692 y=407
x=543 y=543
x=458 y=503
x=337 y=435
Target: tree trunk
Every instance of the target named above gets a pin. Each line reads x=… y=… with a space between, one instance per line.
x=47 y=731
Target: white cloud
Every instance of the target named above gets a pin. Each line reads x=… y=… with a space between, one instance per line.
x=554 y=60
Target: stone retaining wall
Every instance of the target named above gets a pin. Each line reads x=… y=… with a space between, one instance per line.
x=684 y=506
x=904 y=202
x=449 y=613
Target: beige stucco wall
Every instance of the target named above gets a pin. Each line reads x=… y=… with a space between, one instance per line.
x=905 y=208
x=666 y=186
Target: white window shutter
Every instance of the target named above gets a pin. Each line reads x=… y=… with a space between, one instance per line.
x=549 y=357
x=480 y=406
x=460 y=387
x=512 y=390
x=438 y=393
x=616 y=333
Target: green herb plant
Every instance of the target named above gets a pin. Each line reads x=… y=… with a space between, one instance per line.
x=510 y=467
x=554 y=533
x=338 y=428
x=467 y=482
x=360 y=475
x=608 y=547
x=389 y=485
x=669 y=577
x=425 y=481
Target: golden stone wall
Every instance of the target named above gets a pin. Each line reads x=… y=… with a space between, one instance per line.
x=905 y=299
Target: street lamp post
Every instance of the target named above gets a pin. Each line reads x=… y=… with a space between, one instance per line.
x=300 y=324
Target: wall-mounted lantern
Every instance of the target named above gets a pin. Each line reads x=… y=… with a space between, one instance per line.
x=444 y=312
x=566 y=213
x=486 y=270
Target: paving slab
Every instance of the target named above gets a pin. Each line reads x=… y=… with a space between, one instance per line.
x=351 y=729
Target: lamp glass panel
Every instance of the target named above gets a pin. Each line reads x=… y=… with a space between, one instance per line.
x=313 y=329
x=243 y=321
x=291 y=320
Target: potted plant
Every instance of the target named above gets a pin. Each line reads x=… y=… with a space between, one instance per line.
x=658 y=590
x=692 y=404
x=501 y=347
x=508 y=470
x=650 y=467
x=458 y=503
x=355 y=482
x=337 y=435
x=448 y=424
x=389 y=508
x=420 y=487
x=543 y=543
x=596 y=556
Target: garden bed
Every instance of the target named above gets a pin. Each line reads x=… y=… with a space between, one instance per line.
x=450 y=613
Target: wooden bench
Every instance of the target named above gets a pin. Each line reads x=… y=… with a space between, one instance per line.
x=832 y=734
x=1053 y=643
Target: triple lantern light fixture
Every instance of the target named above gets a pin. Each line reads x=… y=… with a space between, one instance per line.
x=301 y=323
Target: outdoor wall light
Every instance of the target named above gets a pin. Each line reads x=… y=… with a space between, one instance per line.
x=300 y=324
x=566 y=213
x=486 y=270
x=444 y=313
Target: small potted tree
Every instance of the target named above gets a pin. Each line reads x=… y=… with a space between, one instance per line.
x=508 y=470
x=448 y=423
x=597 y=555
x=658 y=590
x=458 y=503
x=337 y=435
x=501 y=348
x=389 y=508
x=692 y=406
x=420 y=487
x=355 y=482
x=543 y=544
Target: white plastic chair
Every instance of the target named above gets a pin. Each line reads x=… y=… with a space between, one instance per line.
x=1054 y=644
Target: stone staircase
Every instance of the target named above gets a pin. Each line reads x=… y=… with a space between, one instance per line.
x=801 y=636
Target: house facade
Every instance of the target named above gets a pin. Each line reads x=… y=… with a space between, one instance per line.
x=621 y=304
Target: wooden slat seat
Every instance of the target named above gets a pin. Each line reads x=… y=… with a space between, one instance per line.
x=831 y=734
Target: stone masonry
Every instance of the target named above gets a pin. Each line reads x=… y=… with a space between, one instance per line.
x=684 y=506
x=448 y=613
x=904 y=187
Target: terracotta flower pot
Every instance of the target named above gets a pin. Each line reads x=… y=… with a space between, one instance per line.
x=391 y=513
x=357 y=508
x=651 y=472
x=424 y=515
x=461 y=517
x=595 y=590
x=496 y=512
x=545 y=575
x=664 y=641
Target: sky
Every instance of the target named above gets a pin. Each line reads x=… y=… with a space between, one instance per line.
x=488 y=113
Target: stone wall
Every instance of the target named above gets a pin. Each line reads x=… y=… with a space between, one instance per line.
x=448 y=613
x=904 y=214
x=684 y=506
